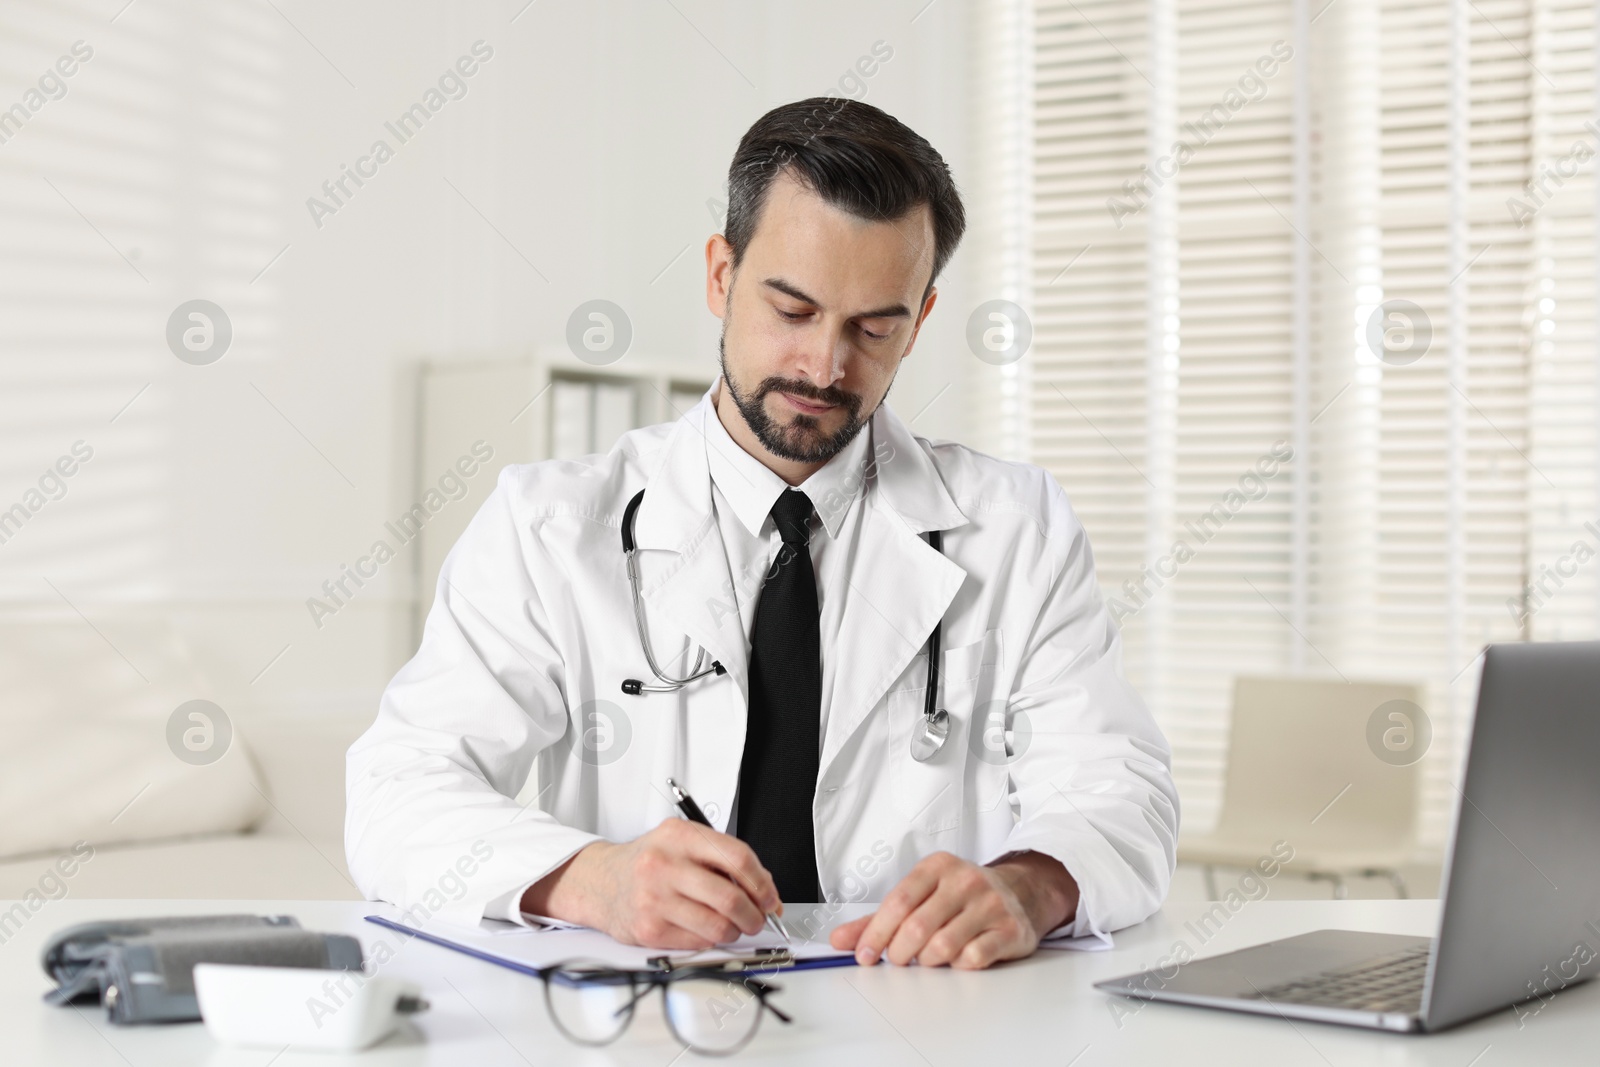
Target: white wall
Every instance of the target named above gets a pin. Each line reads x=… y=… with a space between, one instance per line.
x=177 y=166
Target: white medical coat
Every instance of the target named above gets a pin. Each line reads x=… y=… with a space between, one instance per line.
x=532 y=632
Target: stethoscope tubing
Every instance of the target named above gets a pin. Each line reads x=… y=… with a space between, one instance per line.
x=634 y=686
x=930 y=706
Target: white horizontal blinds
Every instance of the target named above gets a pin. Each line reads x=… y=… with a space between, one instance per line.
x=1559 y=597
x=1498 y=476
x=1235 y=255
x=111 y=183
x=1340 y=414
x=1161 y=361
x=1000 y=210
x=1087 y=393
x=1453 y=483
x=1443 y=485
x=1411 y=591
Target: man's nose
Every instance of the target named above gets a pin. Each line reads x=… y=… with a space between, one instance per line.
x=821 y=356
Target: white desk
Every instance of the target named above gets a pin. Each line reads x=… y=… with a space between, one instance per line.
x=1040 y=1010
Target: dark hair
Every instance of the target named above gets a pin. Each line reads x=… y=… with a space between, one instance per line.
x=857 y=157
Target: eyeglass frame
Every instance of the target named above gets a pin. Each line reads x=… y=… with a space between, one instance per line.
x=600 y=974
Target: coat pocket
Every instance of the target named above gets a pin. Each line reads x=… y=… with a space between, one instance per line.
x=932 y=795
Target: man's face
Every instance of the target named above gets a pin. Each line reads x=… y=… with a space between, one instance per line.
x=825 y=306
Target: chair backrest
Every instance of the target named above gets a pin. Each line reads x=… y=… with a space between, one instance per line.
x=1323 y=764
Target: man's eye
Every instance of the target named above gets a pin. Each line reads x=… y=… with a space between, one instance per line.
x=869 y=335
x=791 y=316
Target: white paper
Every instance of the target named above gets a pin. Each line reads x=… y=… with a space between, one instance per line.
x=545 y=947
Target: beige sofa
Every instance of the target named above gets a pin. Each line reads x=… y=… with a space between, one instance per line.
x=297 y=851
x=91 y=753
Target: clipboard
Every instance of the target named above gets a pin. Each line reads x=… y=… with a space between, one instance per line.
x=534 y=951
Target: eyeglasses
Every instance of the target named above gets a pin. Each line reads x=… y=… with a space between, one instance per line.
x=708 y=1009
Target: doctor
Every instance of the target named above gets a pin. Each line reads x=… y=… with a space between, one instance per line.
x=782 y=550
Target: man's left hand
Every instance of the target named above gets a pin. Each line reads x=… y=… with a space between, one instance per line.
x=949 y=911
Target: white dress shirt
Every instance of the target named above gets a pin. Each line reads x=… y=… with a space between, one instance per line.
x=743 y=492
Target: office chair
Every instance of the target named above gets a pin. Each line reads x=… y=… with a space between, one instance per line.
x=1301 y=770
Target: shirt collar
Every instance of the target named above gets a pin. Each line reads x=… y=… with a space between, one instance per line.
x=750 y=487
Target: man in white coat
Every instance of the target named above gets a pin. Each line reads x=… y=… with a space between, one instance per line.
x=783 y=534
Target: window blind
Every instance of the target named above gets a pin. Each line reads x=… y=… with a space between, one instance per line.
x=1225 y=198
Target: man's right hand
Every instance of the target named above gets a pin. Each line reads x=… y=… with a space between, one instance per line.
x=680 y=886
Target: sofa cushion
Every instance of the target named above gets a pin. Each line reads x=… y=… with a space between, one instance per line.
x=96 y=748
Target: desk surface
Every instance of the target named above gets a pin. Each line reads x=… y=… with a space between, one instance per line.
x=1040 y=1010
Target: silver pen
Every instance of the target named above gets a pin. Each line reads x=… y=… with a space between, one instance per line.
x=692 y=812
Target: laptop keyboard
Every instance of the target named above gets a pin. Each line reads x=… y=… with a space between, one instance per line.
x=1390 y=983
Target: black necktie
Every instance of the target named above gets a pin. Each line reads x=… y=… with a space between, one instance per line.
x=778 y=777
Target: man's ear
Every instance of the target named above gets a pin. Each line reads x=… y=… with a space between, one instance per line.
x=922 y=315
x=719 y=274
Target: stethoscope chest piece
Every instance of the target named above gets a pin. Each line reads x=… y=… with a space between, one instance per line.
x=930 y=734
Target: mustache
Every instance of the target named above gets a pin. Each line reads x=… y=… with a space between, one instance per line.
x=806 y=391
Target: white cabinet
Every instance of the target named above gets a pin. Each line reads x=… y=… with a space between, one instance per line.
x=543 y=406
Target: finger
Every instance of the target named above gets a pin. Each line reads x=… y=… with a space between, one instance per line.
x=947 y=943
x=845 y=935
x=985 y=950
x=925 y=920
x=657 y=932
x=710 y=926
x=721 y=895
x=738 y=861
x=913 y=889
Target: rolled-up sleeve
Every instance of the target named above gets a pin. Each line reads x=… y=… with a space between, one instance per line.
x=431 y=821
x=1093 y=789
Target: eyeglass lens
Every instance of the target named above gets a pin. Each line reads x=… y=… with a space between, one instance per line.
x=712 y=1014
x=590 y=1012
x=592 y=1004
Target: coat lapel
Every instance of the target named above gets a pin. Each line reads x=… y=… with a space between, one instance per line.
x=900 y=587
x=695 y=590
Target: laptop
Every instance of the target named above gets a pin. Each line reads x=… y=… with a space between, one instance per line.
x=1520 y=908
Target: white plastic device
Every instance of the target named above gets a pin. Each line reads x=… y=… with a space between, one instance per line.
x=270 y=1007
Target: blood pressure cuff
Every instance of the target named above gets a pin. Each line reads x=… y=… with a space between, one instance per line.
x=142 y=970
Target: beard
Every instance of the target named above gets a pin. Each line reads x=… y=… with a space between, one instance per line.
x=802 y=439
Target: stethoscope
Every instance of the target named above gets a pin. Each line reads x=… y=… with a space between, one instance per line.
x=931 y=731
